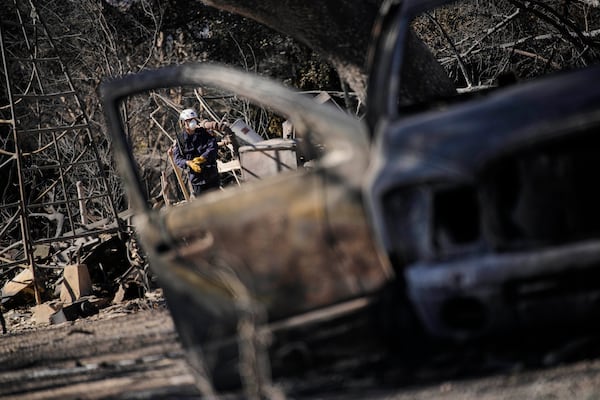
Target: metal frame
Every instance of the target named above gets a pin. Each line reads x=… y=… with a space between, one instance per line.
x=19 y=38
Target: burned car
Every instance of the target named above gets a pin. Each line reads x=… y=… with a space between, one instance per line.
x=474 y=208
x=496 y=227
x=483 y=200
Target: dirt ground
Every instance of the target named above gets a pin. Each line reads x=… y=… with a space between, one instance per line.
x=131 y=351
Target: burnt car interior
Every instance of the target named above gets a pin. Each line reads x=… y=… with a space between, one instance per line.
x=444 y=216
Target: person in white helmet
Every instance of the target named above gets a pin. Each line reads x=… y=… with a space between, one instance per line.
x=196 y=150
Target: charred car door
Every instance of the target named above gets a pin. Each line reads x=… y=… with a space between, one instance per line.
x=244 y=266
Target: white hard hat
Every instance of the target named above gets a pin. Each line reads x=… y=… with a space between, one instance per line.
x=188 y=113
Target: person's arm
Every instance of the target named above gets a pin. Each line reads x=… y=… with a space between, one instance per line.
x=209 y=152
x=178 y=157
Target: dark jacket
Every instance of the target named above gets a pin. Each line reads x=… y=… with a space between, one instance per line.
x=201 y=143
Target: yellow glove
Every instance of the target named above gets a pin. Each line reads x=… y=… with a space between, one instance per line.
x=199 y=160
x=193 y=166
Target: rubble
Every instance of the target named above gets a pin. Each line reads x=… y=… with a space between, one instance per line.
x=20 y=285
x=76 y=283
x=43 y=313
x=109 y=270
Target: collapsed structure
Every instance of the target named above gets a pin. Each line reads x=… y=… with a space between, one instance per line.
x=57 y=201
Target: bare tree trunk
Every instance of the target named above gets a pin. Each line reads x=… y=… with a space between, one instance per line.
x=339 y=30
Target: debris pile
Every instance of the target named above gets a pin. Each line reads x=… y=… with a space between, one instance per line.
x=76 y=281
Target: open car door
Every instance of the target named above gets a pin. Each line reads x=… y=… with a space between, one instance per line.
x=242 y=264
